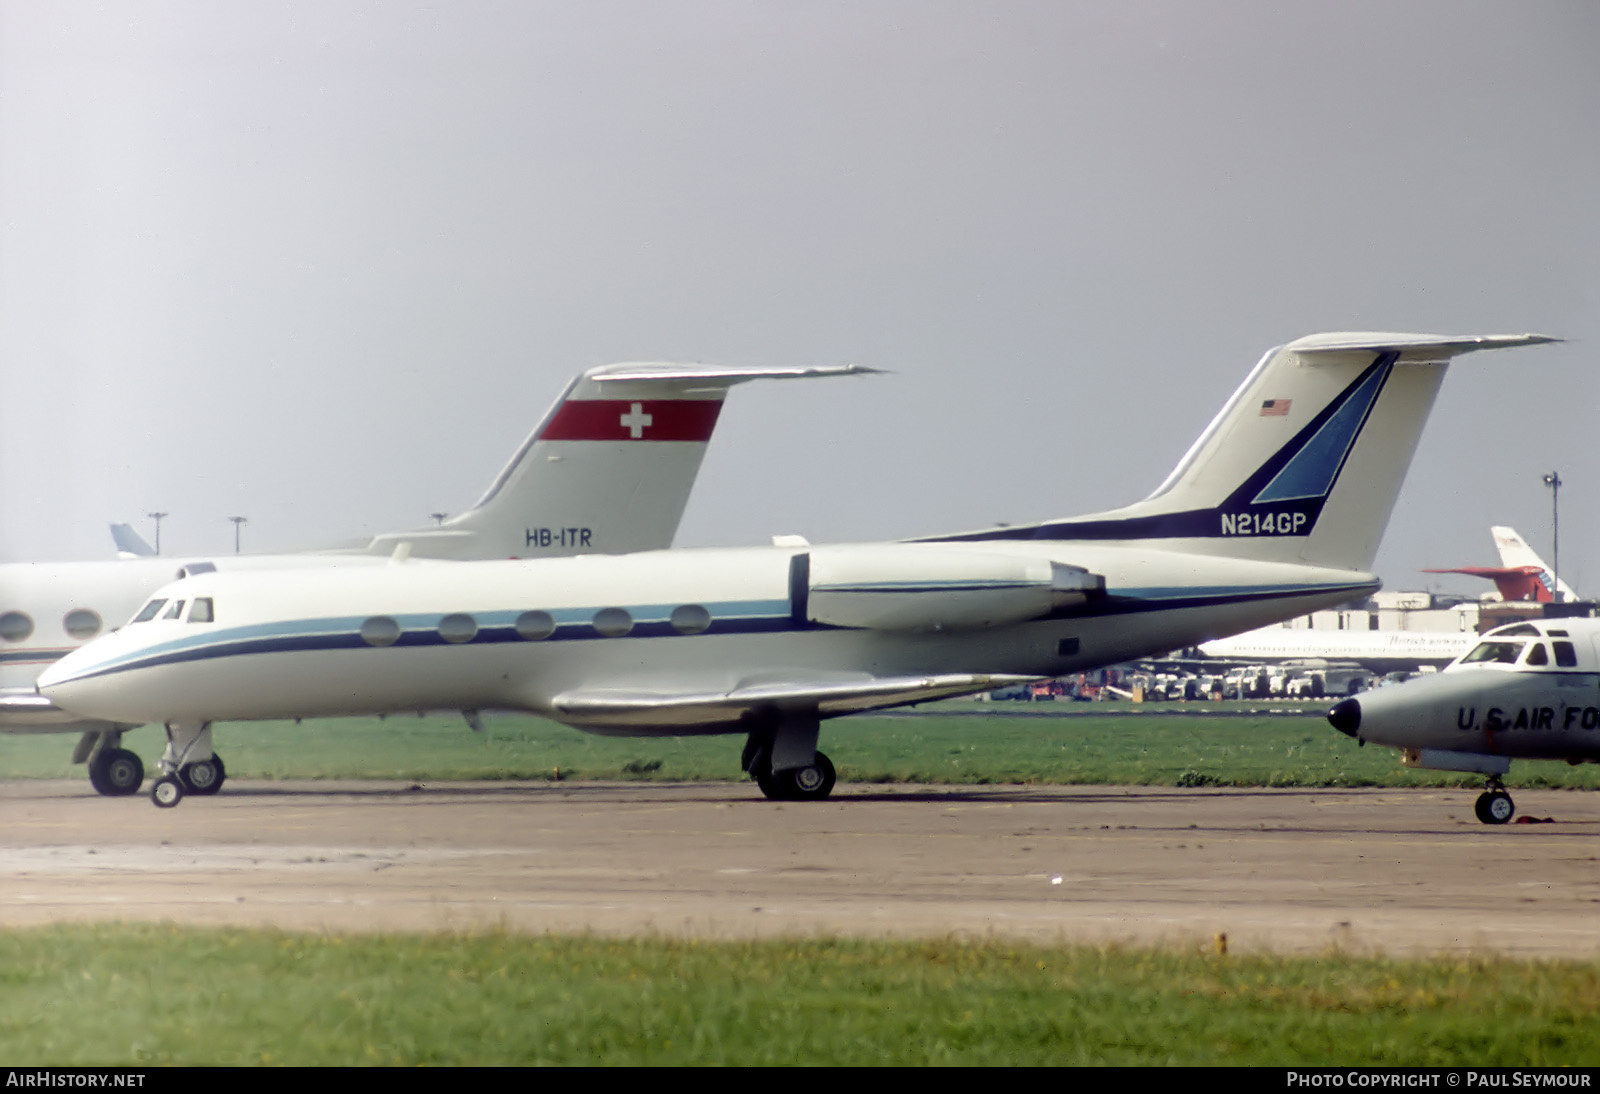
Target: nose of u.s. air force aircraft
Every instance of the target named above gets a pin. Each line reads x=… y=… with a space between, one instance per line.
x=1442 y=711
x=1346 y=717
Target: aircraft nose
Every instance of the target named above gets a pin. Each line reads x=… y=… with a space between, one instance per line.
x=1346 y=717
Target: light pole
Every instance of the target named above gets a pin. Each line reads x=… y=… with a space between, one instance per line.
x=438 y=518
x=157 y=517
x=238 y=522
x=1553 y=481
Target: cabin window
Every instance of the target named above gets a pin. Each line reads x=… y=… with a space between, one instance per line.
x=148 y=612
x=1537 y=655
x=690 y=619
x=535 y=625
x=380 y=630
x=458 y=627
x=613 y=622
x=203 y=611
x=1566 y=655
x=1493 y=653
x=81 y=623
x=15 y=626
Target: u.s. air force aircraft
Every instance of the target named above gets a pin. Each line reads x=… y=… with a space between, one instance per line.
x=1526 y=691
x=608 y=470
x=1275 y=511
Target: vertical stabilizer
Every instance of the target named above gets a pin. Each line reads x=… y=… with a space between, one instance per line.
x=1304 y=461
x=608 y=471
x=1515 y=553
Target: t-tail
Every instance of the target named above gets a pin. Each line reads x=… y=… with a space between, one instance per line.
x=1303 y=463
x=608 y=471
x=1516 y=554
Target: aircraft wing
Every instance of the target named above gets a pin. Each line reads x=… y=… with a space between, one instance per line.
x=829 y=696
x=24 y=710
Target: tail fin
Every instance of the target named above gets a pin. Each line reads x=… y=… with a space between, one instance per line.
x=608 y=471
x=130 y=544
x=1515 y=553
x=1304 y=461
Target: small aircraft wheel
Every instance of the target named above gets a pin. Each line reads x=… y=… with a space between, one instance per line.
x=811 y=783
x=166 y=791
x=203 y=776
x=1494 y=807
x=116 y=772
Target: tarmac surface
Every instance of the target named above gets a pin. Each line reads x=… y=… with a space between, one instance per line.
x=1407 y=871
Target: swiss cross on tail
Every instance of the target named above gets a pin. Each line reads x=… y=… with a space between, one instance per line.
x=634 y=420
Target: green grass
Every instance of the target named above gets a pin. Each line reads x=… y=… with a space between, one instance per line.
x=966 y=746
x=168 y=995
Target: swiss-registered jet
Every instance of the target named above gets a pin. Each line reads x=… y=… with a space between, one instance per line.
x=1275 y=511
x=608 y=470
x=1526 y=691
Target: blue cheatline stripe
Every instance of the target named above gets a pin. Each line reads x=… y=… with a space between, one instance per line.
x=35 y=656
x=497 y=627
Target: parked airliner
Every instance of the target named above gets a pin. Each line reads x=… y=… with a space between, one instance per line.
x=1275 y=511
x=1526 y=691
x=1521 y=575
x=1374 y=651
x=608 y=470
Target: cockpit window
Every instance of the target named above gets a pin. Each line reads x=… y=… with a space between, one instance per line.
x=1500 y=653
x=1537 y=655
x=174 y=612
x=202 y=611
x=148 y=612
x=1566 y=655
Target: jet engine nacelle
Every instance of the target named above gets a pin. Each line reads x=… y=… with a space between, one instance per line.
x=929 y=587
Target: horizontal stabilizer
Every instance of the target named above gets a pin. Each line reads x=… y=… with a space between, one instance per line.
x=828 y=697
x=1419 y=347
x=721 y=377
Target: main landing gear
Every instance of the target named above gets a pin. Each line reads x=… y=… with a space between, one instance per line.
x=116 y=772
x=1494 y=805
x=781 y=755
x=204 y=774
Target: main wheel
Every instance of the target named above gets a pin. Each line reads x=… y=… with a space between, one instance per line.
x=166 y=791
x=116 y=772
x=1494 y=807
x=811 y=783
x=203 y=776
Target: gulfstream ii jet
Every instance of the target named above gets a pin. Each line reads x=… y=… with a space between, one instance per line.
x=608 y=470
x=1275 y=511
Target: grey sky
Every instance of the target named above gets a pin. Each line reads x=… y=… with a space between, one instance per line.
x=323 y=264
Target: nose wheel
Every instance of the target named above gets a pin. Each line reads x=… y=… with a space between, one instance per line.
x=166 y=791
x=1494 y=805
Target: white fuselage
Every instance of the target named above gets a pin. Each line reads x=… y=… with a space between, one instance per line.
x=525 y=635
x=1377 y=651
x=1533 y=693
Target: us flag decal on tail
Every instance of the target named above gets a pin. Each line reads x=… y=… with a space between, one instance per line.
x=1275 y=408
